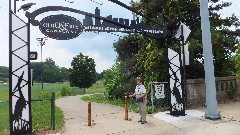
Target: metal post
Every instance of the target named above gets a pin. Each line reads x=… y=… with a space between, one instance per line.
x=208 y=63
x=126 y=108
x=10 y=68
x=89 y=113
x=152 y=96
x=184 y=68
x=15 y=6
x=42 y=66
x=53 y=111
x=29 y=77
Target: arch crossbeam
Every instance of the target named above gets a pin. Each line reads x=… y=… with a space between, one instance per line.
x=125 y=27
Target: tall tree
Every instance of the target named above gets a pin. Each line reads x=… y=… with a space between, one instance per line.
x=37 y=71
x=51 y=71
x=82 y=73
x=224 y=39
x=4 y=72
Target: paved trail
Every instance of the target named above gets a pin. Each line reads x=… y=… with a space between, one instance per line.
x=108 y=120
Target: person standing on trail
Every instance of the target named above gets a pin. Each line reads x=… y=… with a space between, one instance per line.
x=141 y=99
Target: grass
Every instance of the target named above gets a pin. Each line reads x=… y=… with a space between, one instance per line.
x=41 y=110
x=41 y=116
x=100 y=97
x=4 y=117
x=36 y=90
x=96 y=88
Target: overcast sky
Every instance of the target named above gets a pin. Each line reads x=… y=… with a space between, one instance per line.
x=97 y=46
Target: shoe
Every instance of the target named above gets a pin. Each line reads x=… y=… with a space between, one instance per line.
x=145 y=121
x=141 y=119
x=142 y=122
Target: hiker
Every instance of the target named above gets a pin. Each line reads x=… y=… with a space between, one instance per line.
x=141 y=99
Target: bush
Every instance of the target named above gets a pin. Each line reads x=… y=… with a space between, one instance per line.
x=65 y=91
x=231 y=91
x=45 y=95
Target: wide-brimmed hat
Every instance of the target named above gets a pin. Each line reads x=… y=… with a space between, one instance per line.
x=139 y=78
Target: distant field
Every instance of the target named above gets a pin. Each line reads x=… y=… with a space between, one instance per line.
x=36 y=90
x=49 y=88
x=96 y=88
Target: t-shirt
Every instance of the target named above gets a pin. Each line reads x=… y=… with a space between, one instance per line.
x=140 y=89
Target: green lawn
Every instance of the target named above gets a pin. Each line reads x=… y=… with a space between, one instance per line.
x=36 y=90
x=41 y=116
x=96 y=88
x=41 y=110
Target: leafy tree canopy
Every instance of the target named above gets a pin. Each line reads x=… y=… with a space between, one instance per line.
x=82 y=73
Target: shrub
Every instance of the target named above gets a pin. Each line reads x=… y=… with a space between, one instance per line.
x=45 y=95
x=231 y=91
x=65 y=91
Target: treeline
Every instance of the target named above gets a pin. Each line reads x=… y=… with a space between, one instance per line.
x=138 y=55
x=50 y=72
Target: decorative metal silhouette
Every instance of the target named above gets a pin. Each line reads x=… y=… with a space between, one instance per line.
x=21 y=104
x=176 y=92
x=177 y=107
x=27 y=6
x=19 y=76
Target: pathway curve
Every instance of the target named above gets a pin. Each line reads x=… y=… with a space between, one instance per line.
x=108 y=120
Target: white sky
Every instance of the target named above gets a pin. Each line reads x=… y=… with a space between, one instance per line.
x=97 y=46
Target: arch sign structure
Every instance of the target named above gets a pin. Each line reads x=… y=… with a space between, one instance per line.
x=64 y=27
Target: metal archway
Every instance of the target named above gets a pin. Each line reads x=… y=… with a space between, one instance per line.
x=19 y=57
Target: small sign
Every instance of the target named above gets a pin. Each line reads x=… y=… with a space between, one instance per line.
x=61 y=27
x=33 y=55
x=159 y=91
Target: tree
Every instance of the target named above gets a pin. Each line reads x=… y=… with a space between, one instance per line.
x=4 y=72
x=37 y=71
x=100 y=76
x=138 y=55
x=82 y=73
x=51 y=71
x=224 y=40
x=64 y=74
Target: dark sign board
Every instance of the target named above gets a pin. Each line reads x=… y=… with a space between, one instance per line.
x=61 y=27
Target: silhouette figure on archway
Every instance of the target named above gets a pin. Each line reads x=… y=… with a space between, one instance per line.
x=21 y=102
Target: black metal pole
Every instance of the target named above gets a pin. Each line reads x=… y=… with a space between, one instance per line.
x=29 y=78
x=15 y=6
x=10 y=68
x=184 y=68
x=41 y=63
